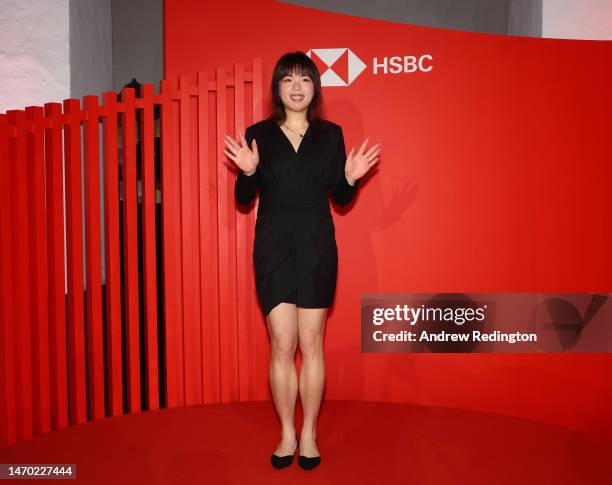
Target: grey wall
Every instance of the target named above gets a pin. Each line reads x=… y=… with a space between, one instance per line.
x=577 y=19
x=468 y=15
x=34 y=53
x=138 y=37
x=113 y=41
x=525 y=18
x=91 y=47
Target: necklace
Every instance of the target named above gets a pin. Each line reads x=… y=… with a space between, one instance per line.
x=292 y=131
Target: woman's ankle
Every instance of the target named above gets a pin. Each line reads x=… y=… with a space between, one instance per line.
x=309 y=433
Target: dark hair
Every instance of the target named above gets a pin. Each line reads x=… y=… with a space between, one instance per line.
x=304 y=65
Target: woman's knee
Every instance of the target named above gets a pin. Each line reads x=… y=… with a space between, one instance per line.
x=282 y=323
x=311 y=323
x=311 y=341
x=283 y=348
x=311 y=345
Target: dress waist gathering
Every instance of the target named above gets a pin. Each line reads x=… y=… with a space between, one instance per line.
x=294 y=200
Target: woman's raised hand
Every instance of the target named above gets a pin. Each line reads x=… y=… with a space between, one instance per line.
x=241 y=154
x=357 y=165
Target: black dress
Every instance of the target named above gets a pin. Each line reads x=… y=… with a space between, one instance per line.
x=295 y=255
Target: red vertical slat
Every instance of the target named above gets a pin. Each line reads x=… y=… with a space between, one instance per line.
x=56 y=266
x=93 y=252
x=149 y=256
x=38 y=281
x=208 y=247
x=263 y=346
x=191 y=338
x=171 y=247
x=257 y=88
x=21 y=274
x=244 y=334
x=74 y=243
x=212 y=368
x=130 y=249
x=252 y=313
x=8 y=410
x=220 y=259
x=175 y=146
x=112 y=253
x=196 y=171
x=227 y=262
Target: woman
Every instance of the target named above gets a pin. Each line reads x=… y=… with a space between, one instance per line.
x=295 y=158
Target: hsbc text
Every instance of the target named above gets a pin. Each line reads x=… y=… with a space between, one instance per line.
x=397 y=64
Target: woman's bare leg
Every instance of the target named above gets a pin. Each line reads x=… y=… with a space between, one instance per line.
x=282 y=325
x=311 y=322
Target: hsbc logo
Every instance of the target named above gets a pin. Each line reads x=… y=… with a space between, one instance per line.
x=340 y=67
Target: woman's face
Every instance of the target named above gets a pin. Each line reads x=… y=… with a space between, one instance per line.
x=296 y=91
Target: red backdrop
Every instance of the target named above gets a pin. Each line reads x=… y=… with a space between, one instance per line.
x=493 y=176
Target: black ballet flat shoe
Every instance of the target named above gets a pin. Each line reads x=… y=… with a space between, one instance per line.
x=284 y=461
x=309 y=462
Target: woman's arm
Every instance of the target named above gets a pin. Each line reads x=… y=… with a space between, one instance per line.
x=342 y=192
x=246 y=185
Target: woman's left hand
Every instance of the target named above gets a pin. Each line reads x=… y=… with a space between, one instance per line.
x=357 y=165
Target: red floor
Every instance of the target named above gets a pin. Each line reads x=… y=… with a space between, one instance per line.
x=360 y=443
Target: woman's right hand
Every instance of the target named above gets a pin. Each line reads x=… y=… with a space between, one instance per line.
x=241 y=154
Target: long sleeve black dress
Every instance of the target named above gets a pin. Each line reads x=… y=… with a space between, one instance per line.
x=295 y=255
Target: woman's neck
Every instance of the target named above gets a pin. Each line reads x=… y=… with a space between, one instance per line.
x=296 y=118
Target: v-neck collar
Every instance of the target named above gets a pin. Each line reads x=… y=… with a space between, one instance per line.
x=304 y=138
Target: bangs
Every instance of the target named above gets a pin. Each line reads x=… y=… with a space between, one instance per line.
x=298 y=67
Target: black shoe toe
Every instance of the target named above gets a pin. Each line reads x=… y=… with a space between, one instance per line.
x=308 y=463
x=281 y=461
x=284 y=461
